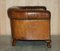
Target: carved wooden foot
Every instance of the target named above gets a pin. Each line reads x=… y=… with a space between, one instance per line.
x=14 y=42
x=49 y=44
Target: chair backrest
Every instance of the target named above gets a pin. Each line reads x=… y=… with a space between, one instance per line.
x=33 y=7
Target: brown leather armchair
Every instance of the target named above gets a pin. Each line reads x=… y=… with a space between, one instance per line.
x=30 y=23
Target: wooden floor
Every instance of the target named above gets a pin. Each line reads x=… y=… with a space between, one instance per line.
x=5 y=45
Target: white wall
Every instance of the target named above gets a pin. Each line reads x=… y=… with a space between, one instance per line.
x=2 y=17
x=59 y=14
x=51 y=5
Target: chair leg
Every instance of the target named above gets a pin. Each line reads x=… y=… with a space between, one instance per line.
x=49 y=43
x=14 y=42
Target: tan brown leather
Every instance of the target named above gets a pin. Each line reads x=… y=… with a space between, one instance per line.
x=30 y=23
x=28 y=13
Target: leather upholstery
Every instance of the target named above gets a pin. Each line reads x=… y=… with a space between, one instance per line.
x=32 y=28
x=34 y=12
